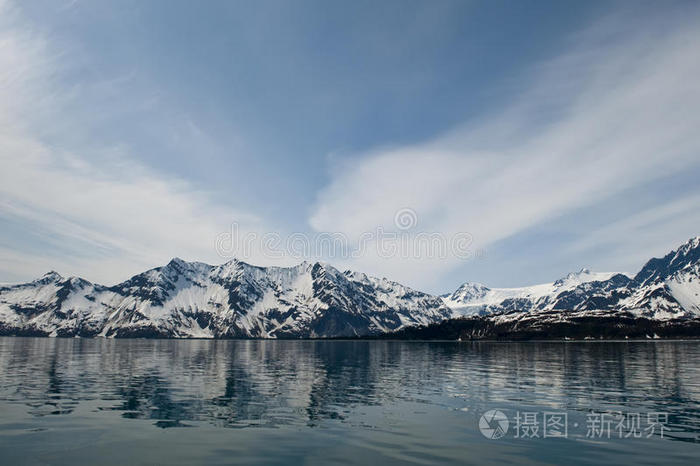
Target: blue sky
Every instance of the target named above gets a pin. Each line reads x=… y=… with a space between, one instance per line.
x=557 y=134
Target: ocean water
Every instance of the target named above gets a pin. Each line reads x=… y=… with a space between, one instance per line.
x=68 y=401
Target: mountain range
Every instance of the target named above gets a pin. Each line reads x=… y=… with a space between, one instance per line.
x=315 y=300
x=234 y=300
x=664 y=288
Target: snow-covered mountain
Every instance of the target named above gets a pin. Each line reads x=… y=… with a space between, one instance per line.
x=236 y=299
x=665 y=288
x=476 y=298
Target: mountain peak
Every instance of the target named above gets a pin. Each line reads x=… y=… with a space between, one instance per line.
x=469 y=291
x=692 y=243
x=584 y=275
x=472 y=286
x=51 y=275
x=182 y=265
x=583 y=271
x=176 y=261
x=685 y=255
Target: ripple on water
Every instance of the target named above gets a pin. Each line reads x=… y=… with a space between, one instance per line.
x=401 y=401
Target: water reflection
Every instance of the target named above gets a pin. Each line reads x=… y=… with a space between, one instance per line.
x=243 y=384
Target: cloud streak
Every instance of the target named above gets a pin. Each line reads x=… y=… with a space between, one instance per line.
x=114 y=215
x=88 y=186
x=615 y=111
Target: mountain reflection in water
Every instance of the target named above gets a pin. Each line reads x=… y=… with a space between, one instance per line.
x=337 y=384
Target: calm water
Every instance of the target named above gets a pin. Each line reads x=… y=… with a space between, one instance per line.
x=282 y=402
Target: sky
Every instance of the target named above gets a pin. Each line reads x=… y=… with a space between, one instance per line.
x=546 y=136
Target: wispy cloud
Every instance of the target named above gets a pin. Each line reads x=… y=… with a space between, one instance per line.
x=82 y=192
x=116 y=215
x=617 y=110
